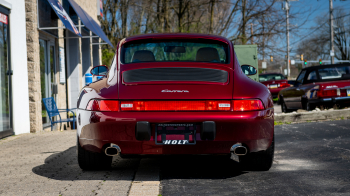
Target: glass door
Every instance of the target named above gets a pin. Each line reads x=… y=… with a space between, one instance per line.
x=5 y=79
x=47 y=75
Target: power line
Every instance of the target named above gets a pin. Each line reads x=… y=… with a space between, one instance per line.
x=318 y=29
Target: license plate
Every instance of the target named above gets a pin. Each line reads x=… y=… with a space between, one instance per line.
x=348 y=92
x=175 y=134
x=176 y=142
x=273 y=86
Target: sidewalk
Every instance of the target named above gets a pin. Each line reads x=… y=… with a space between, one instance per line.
x=45 y=164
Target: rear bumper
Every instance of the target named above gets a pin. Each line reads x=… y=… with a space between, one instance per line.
x=254 y=130
x=334 y=100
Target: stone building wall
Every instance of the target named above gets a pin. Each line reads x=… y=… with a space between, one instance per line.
x=33 y=58
x=90 y=7
x=61 y=96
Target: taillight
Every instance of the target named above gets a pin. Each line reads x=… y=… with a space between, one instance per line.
x=247 y=105
x=282 y=85
x=328 y=93
x=103 y=105
x=208 y=105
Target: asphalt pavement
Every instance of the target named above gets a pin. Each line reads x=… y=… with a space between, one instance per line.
x=310 y=159
x=277 y=108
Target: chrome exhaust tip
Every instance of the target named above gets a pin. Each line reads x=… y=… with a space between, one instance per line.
x=112 y=150
x=238 y=149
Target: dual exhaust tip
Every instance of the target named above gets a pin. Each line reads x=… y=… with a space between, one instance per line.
x=112 y=150
x=238 y=149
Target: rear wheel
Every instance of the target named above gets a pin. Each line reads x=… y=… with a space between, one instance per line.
x=92 y=161
x=259 y=161
x=309 y=106
x=284 y=106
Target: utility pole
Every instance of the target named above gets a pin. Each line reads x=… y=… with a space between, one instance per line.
x=332 y=31
x=251 y=33
x=286 y=7
x=287 y=15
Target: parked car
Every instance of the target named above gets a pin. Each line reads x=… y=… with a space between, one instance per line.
x=175 y=94
x=274 y=82
x=319 y=85
x=291 y=82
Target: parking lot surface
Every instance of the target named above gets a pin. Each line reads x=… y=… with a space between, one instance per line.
x=310 y=159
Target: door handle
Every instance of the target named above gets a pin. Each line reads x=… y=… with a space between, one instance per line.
x=298 y=89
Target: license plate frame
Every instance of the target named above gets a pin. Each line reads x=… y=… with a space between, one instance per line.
x=273 y=86
x=187 y=132
x=348 y=92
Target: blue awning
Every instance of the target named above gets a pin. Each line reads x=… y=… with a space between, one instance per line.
x=89 y=23
x=62 y=14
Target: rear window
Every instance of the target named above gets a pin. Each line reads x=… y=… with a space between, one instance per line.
x=175 y=51
x=334 y=72
x=267 y=77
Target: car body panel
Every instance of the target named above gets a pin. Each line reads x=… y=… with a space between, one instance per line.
x=97 y=129
x=190 y=90
x=294 y=97
x=255 y=129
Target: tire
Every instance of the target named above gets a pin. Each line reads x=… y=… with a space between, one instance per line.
x=284 y=108
x=259 y=161
x=92 y=161
x=309 y=106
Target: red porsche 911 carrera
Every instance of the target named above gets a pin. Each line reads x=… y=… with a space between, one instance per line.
x=175 y=94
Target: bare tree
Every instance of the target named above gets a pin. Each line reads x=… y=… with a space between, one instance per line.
x=317 y=45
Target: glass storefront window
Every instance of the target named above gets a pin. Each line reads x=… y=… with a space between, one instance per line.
x=43 y=60
x=47 y=75
x=5 y=121
x=52 y=68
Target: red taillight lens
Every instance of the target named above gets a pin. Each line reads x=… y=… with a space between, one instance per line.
x=327 y=93
x=247 y=105
x=175 y=105
x=103 y=105
x=282 y=85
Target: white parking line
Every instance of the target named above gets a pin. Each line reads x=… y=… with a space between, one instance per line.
x=146 y=180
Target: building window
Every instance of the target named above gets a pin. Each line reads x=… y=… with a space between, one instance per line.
x=47 y=17
x=5 y=77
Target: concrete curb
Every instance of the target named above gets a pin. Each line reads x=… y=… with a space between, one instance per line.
x=313 y=116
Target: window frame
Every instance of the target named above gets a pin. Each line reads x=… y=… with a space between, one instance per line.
x=227 y=49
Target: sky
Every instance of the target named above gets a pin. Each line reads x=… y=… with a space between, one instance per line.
x=310 y=10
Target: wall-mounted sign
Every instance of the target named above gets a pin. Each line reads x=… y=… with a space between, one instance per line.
x=100 y=8
x=62 y=66
x=62 y=14
x=3 y=18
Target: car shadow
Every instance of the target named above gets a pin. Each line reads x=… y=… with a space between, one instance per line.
x=64 y=166
x=200 y=167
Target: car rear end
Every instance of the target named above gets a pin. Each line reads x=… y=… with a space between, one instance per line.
x=331 y=93
x=275 y=82
x=175 y=96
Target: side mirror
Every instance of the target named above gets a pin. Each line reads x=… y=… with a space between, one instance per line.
x=99 y=70
x=249 y=70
